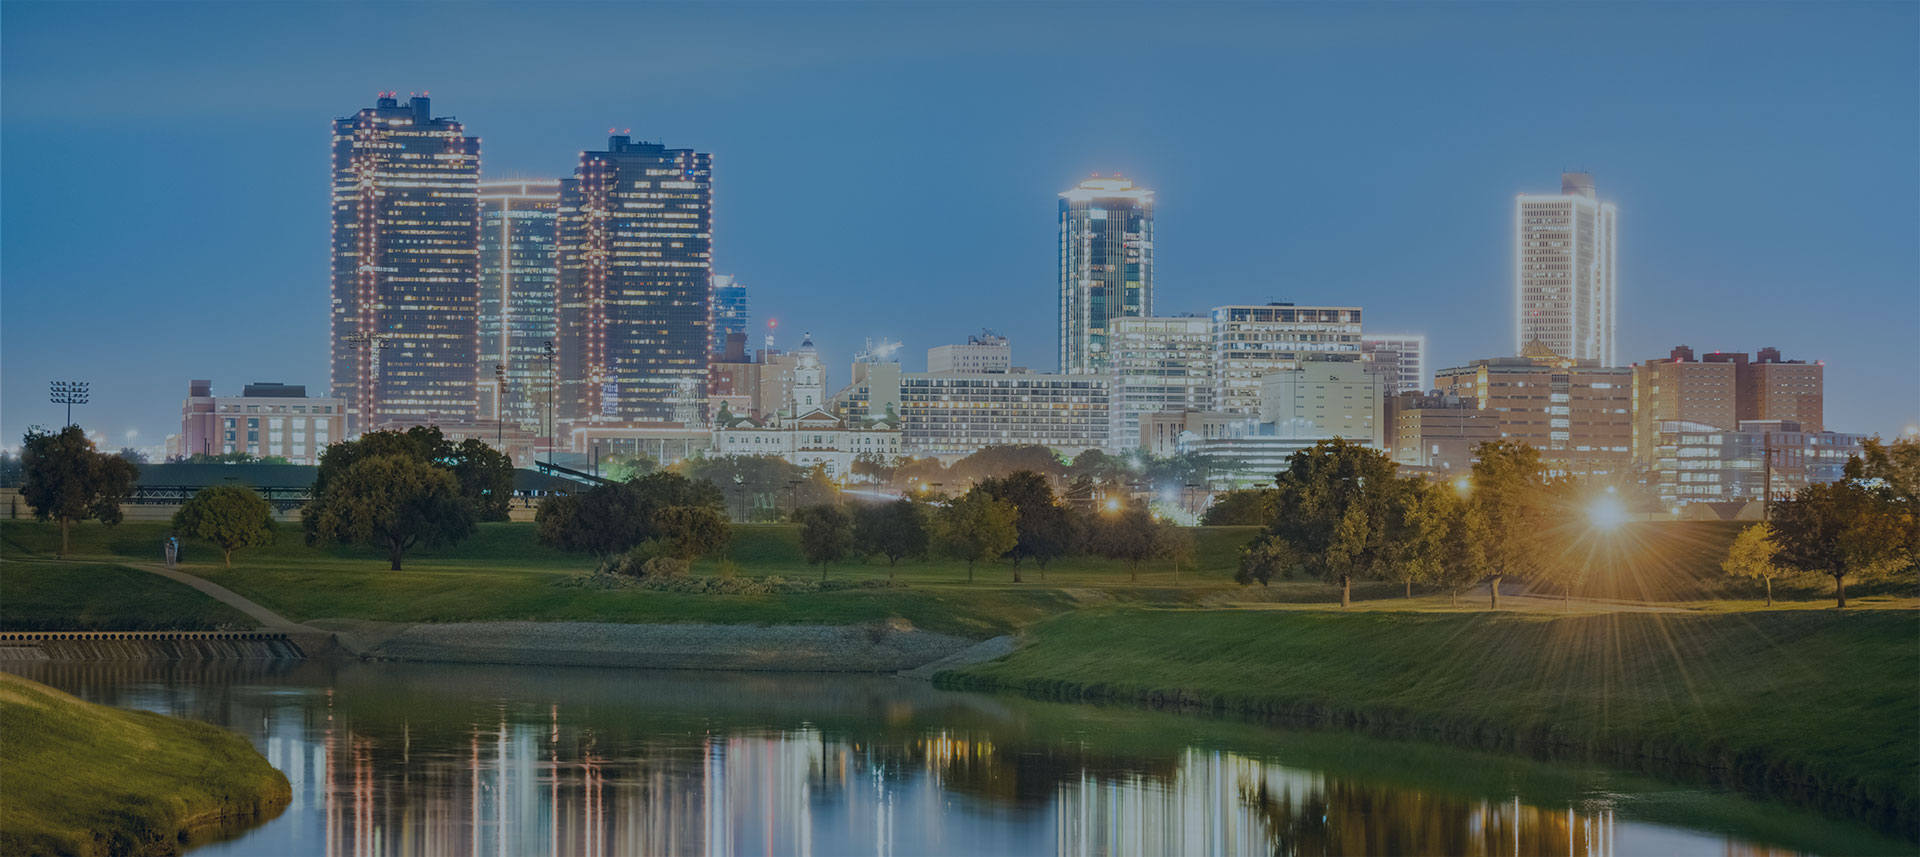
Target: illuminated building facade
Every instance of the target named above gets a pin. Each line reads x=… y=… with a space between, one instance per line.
x=987 y=353
x=1722 y=390
x=953 y=414
x=729 y=310
x=1157 y=365
x=517 y=278
x=1106 y=266
x=1251 y=342
x=1564 y=271
x=1401 y=358
x=406 y=278
x=266 y=419
x=1578 y=413
x=1696 y=462
x=634 y=323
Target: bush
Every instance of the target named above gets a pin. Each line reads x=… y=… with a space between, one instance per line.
x=770 y=585
x=663 y=567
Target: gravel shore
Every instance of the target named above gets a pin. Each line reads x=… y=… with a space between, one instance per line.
x=796 y=648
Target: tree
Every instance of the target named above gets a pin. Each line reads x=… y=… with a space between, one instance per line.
x=1242 y=507
x=1425 y=519
x=613 y=518
x=976 y=527
x=621 y=468
x=1893 y=469
x=758 y=482
x=393 y=502
x=1105 y=471
x=1755 y=553
x=230 y=516
x=1515 y=496
x=1175 y=544
x=133 y=455
x=1337 y=506
x=690 y=532
x=1843 y=530
x=1127 y=534
x=1001 y=460
x=895 y=530
x=1045 y=532
x=1263 y=560
x=483 y=474
x=63 y=478
x=826 y=535
x=1456 y=556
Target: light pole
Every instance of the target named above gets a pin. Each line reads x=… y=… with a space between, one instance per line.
x=499 y=399
x=68 y=393
x=551 y=382
x=374 y=342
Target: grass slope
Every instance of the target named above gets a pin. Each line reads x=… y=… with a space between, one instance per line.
x=57 y=596
x=87 y=779
x=1815 y=701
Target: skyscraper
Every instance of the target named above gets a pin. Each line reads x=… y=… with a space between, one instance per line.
x=1106 y=266
x=406 y=277
x=517 y=278
x=1156 y=365
x=729 y=310
x=1564 y=271
x=635 y=252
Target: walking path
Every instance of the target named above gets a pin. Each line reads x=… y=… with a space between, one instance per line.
x=269 y=620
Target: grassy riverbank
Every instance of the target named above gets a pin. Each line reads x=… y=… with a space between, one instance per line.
x=52 y=596
x=87 y=779
x=1818 y=705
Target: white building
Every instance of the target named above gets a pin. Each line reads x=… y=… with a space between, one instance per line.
x=1400 y=357
x=953 y=415
x=987 y=353
x=1251 y=342
x=1326 y=399
x=804 y=432
x=1157 y=365
x=266 y=419
x=1564 y=271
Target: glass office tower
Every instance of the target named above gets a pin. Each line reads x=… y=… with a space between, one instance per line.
x=1106 y=266
x=517 y=280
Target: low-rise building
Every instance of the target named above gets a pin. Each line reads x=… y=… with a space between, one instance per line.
x=1697 y=462
x=266 y=419
x=1438 y=432
x=1161 y=434
x=952 y=415
x=804 y=431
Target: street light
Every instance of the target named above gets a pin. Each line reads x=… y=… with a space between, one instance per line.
x=1607 y=512
x=68 y=393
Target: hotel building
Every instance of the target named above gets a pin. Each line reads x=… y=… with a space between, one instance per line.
x=517 y=279
x=266 y=419
x=953 y=415
x=1106 y=266
x=1564 y=271
x=406 y=280
x=1251 y=342
x=634 y=324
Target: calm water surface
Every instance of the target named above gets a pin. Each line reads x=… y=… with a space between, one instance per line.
x=418 y=759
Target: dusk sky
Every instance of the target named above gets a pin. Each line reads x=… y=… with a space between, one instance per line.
x=891 y=170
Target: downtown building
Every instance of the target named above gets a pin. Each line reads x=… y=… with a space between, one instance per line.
x=404 y=335
x=804 y=432
x=518 y=275
x=951 y=415
x=1400 y=357
x=1157 y=365
x=1577 y=413
x=1564 y=271
x=1106 y=266
x=729 y=310
x=633 y=325
x=266 y=419
x=1251 y=342
x=1706 y=426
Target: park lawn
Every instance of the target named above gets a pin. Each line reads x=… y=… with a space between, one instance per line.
x=1823 y=697
x=61 y=596
x=89 y=779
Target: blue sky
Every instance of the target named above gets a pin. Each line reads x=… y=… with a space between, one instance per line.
x=891 y=170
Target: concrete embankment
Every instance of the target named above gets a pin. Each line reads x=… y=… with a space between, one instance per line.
x=787 y=648
x=162 y=645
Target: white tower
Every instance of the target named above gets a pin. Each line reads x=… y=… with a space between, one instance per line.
x=809 y=378
x=1564 y=271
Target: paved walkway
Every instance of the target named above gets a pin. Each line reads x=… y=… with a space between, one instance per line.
x=269 y=620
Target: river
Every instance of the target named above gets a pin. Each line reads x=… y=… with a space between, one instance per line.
x=431 y=760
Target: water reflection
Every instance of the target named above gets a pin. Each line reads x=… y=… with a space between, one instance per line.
x=428 y=760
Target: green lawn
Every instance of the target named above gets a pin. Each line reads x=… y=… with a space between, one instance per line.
x=60 y=596
x=88 y=779
x=1821 y=697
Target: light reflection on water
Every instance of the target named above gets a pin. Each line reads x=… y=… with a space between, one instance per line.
x=430 y=760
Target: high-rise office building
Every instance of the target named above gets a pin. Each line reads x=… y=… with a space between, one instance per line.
x=634 y=324
x=1250 y=342
x=517 y=279
x=1564 y=271
x=1400 y=358
x=406 y=278
x=1157 y=365
x=1106 y=266
x=729 y=310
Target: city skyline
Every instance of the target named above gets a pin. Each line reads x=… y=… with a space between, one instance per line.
x=1679 y=276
